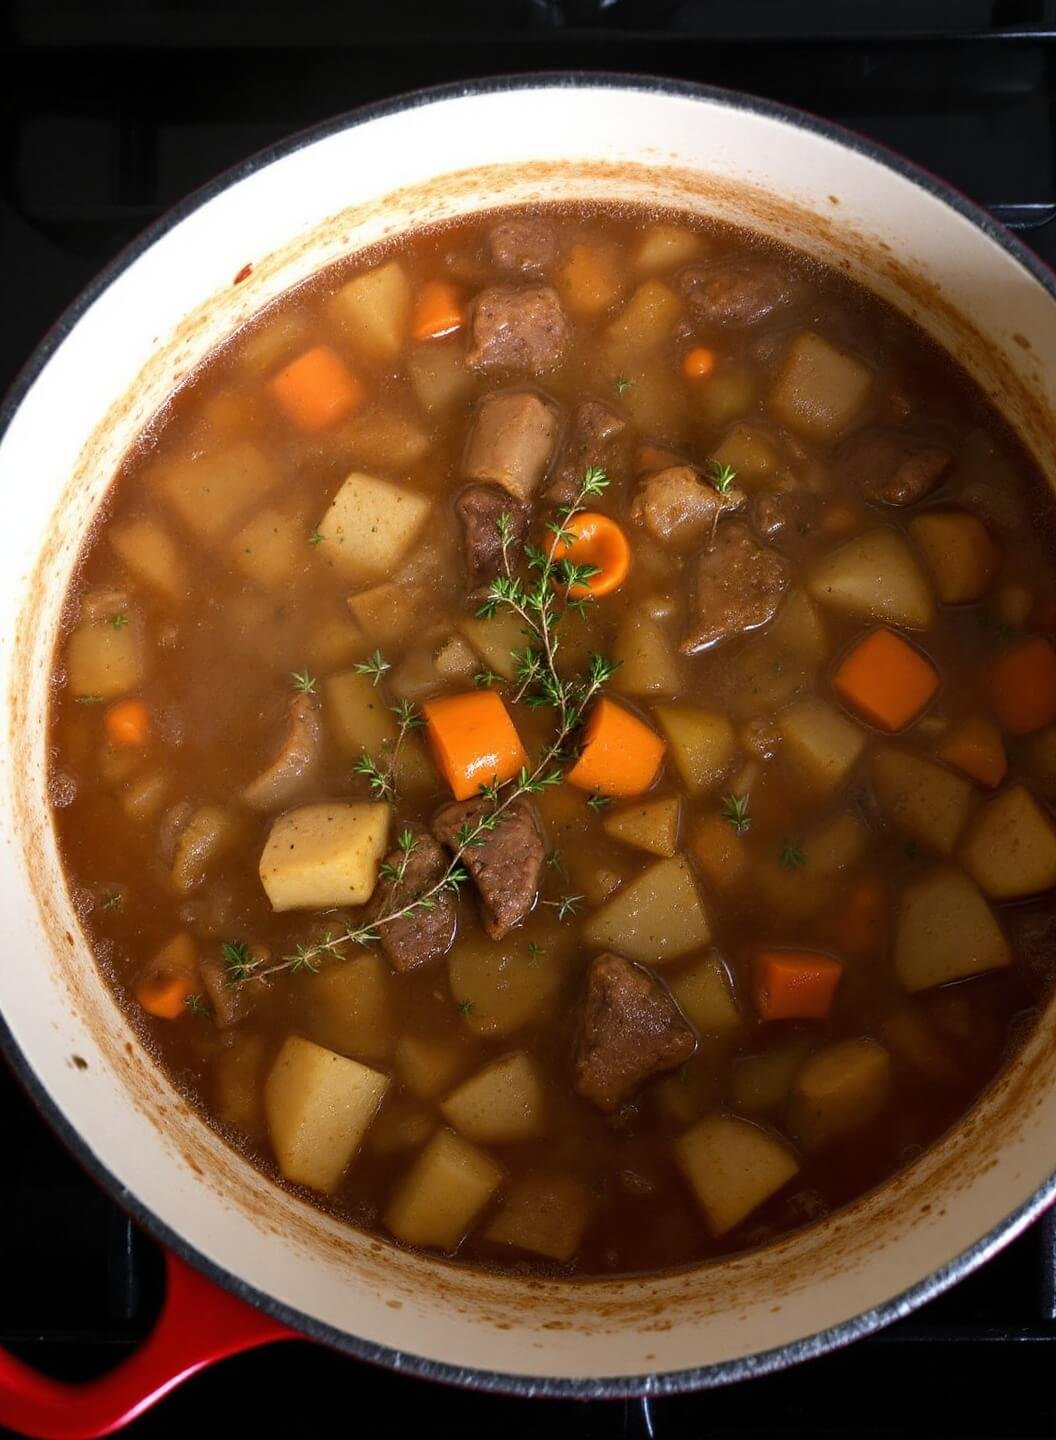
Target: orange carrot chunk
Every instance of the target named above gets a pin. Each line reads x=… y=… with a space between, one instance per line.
x=128 y=724
x=885 y=680
x=976 y=749
x=620 y=755
x=698 y=362
x=857 y=923
x=165 y=995
x=795 y=984
x=437 y=311
x=1024 y=686
x=317 y=390
x=473 y=740
x=599 y=542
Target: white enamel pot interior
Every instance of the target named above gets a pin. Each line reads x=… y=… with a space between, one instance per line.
x=102 y=374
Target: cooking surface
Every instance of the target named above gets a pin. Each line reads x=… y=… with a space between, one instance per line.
x=112 y=123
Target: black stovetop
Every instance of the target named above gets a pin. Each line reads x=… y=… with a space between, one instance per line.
x=111 y=110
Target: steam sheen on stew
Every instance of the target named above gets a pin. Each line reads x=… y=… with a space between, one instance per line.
x=553 y=738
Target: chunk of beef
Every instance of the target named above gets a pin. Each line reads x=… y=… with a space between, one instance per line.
x=632 y=1029
x=512 y=329
x=736 y=293
x=511 y=442
x=739 y=585
x=425 y=934
x=769 y=514
x=231 y=1001
x=479 y=508
x=892 y=468
x=678 y=508
x=524 y=243
x=505 y=869
x=297 y=763
x=590 y=439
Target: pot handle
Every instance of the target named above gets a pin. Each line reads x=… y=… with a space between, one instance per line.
x=198 y=1325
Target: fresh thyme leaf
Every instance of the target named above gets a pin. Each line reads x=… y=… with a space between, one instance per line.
x=237 y=963
x=405 y=841
x=408 y=715
x=374 y=665
x=722 y=477
x=556 y=861
x=534 y=950
x=197 y=1006
x=734 y=809
x=803 y=527
x=622 y=384
x=302 y=682
x=316 y=537
x=88 y=699
x=110 y=901
x=380 y=781
x=598 y=802
x=305 y=958
x=485 y=679
x=567 y=906
x=791 y=856
x=466 y=1007
x=119 y=621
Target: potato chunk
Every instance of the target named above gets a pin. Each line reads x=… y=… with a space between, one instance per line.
x=209 y=492
x=495 y=640
x=958 y=551
x=732 y=1166
x=777 y=662
x=442 y=1194
x=500 y=986
x=702 y=744
x=922 y=800
x=945 y=930
x=656 y=917
x=665 y=247
x=1010 y=850
x=760 y=1083
x=104 y=661
x=822 y=745
x=370 y=525
x=647 y=319
x=439 y=375
x=360 y=721
x=348 y=1007
x=829 y=851
x=649 y=825
x=374 y=310
x=545 y=1214
x=210 y=833
x=323 y=855
x=270 y=548
x=148 y=551
x=838 y=1090
x=500 y=1104
x=820 y=389
x=874 y=576
x=319 y=1106
x=647 y=661
x=429 y=1067
x=704 y=991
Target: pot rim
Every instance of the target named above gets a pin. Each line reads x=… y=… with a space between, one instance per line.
x=528 y=1386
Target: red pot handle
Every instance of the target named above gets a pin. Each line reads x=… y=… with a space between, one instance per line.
x=198 y=1325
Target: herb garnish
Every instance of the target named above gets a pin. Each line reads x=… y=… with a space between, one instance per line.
x=734 y=809
x=791 y=856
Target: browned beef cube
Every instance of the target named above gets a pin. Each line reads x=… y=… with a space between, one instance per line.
x=479 y=508
x=590 y=440
x=512 y=441
x=517 y=329
x=739 y=586
x=736 y=293
x=429 y=930
x=678 y=507
x=524 y=244
x=892 y=468
x=506 y=867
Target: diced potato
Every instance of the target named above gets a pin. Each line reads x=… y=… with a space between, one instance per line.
x=702 y=744
x=348 y=1006
x=654 y=405
x=690 y=1092
x=387 y=613
x=822 y=745
x=748 y=451
x=704 y=991
x=318 y=856
x=370 y=525
x=1041 y=760
x=820 y=389
x=429 y=1067
x=495 y=640
x=264 y=345
x=271 y=548
x=958 y=552
x=210 y=491
x=1013 y=604
x=647 y=319
x=760 y=1084
x=104 y=661
x=402 y=1125
x=148 y=551
x=544 y=1214
x=319 y=1107
x=726 y=395
x=443 y=1193
x=500 y=1104
x=143 y=797
x=360 y=722
x=923 y=800
x=238 y=1085
x=657 y=916
x=666 y=247
x=912 y=1040
x=645 y=655
x=385 y=437
x=945 y=930
x=839 y=1090
x=439 y=375
x=829 y=852
x=648 y=824
x=590 y=280
x=114 y=764
x=720 y=852
x=336 y=642
x=500 y=986
x=210 y=833
x=876 y=577
x=732 y=1166
x=374 y=310
x=1010 y=849
x=456 y=660
x=776 y=664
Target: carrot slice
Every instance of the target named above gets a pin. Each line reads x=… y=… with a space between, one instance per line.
x=317 y=390
x=976 y=749
x=128 y=724
x=165 y=995
x=597 y=541
x=885 y=680
x=698 y=362
x=857 y=923
x=437 y=311
x=473 y=740
x=620 y=755
x=1024 y=686
x=795 y=984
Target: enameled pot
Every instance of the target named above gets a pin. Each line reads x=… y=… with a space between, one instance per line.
x=99 y=376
